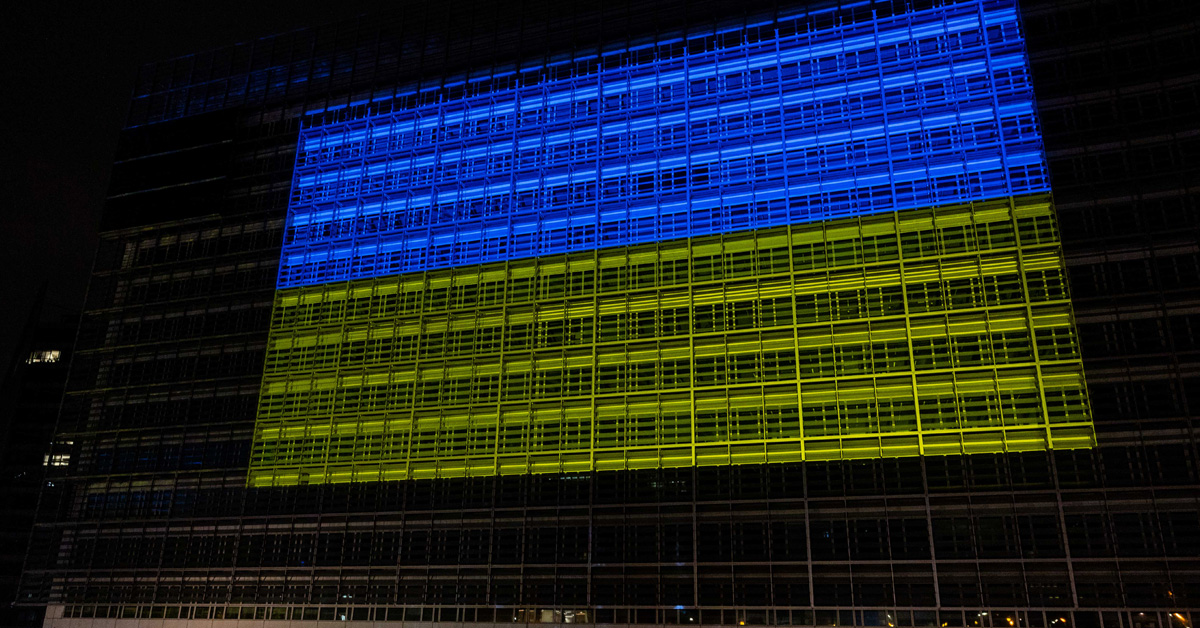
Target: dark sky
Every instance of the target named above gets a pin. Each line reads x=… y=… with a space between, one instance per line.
x=69 y=70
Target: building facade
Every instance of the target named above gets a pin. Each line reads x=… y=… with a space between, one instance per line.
x=688 y=314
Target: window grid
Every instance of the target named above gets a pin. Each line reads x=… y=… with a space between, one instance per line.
x=925 y=332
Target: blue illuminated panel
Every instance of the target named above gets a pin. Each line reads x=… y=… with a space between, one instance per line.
x=687 y=138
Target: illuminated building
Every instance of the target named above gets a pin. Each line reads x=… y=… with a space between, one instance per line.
x=717 y=315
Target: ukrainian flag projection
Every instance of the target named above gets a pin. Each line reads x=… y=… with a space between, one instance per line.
x=817 y=238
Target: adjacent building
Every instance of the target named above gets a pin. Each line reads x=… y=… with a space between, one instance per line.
x=31 y=389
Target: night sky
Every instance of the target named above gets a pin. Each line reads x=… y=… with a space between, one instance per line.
x=70 y=70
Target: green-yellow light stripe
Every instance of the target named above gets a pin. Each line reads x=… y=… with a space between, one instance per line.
x=936 y=331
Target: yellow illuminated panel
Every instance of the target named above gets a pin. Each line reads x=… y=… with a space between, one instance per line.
x=936 y=331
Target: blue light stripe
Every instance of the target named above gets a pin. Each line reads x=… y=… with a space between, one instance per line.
x=358 y=169
x=793 y=50
x=831 y=127
x=317 y=213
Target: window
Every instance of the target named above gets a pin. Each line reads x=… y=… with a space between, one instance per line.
x=49 y=356
x=56 y=460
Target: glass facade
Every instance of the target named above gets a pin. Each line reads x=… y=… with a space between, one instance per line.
x=712 y=413
x=536 y=285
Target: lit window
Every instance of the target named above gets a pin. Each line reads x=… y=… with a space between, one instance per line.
x=57 y=457
x=56 y=460
x=44 y=357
